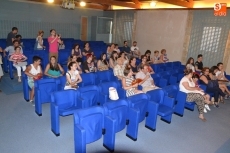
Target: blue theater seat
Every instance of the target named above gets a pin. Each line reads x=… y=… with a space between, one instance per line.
x=165 y=109
x=123 y=115
x=42 y=92
x=147 y=108
x=87 y=79
x=63 y=103
x=89 y=126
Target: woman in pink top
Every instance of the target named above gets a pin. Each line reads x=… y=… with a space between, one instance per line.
x=53 y=40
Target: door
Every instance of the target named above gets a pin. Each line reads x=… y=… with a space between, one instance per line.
x=84 y=28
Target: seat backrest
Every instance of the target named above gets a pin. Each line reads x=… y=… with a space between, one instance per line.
x=102 y=76
x=181 y=96
x=45 y=87
x=118 y=110
x=90 y=94
x=92 y=121
x=104 y=87
x=87 y=79
x=62 y=81
x=156 y=95
x=171 y=91
x=139 y=102
x=64 y=99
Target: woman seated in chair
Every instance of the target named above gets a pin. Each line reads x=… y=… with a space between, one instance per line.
x=77 y=52
x=132 y=64
x=148 y=56
x=53 y=69
x=102 y=63
x=194 y=94
x=127 y=80
x=195 y=78
x=72 y=77
x=190 y=64
x=88 y=65
x=144 y=61
x=212 y=86
x=222 y=84
x=73 y=58
x=33 y=72
x=123 y=58
x=18 y=60
x=113 y=59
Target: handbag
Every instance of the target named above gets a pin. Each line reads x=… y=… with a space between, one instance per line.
x=213 y=83
x=113 y=93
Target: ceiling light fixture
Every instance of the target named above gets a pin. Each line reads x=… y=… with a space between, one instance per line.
x=153 y=4
x=82 y=4
x=50 y=1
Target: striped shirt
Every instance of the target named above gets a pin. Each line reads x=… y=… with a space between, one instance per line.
x=128 y=82
x=19 y=56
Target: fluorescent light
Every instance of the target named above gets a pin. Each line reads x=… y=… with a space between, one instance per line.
x=153 y=4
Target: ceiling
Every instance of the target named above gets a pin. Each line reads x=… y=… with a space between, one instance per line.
x=139 y=4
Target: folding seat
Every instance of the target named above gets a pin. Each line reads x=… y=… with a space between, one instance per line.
x=25 y=86
x=87 y=79
x=176 y=64
x=147 y=108
x=42 y=91
x=165 y=76
x=89 y=126
x=180 y=76
x=88 y=96
x=63 y=56
x=123 y=115
x=181 y=100
x=63 y=103
x=62 y=82
x=166 y=104
x=104 y=91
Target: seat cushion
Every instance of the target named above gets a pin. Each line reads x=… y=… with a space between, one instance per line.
x=68 y=111
x=164 y=110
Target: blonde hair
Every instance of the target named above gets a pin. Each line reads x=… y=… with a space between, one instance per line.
x=40 y=32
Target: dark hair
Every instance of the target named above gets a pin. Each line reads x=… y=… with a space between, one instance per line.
x=187 y=71
x=70 y=65
x=218 y=64
x=54 y=67
x=200 y=55
x=116 y=45
x=15 y=41
x=103 y=60
x=52 y=30
x=17 y=47
x=212 y=69
x=86 y=43
x=195 y=76
x=204 y=69
x=142 y=56
x=163 y=51
x=14 y=28
x=188 y=61
x=18 y=36
x=75 y=45
x=148 y=52
x=36 y=58
x=114 y=52
x=156 y=51
x=122 y=52
x=130 y=60
x=127 y=70
x=125 y=41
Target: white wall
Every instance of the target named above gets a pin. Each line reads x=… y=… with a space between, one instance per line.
x=161 y=29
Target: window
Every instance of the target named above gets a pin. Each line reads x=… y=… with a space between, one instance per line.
x=128 y=28
x=210 y=39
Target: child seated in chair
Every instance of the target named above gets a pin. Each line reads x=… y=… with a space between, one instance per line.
x=18 y=60
x=33 y=72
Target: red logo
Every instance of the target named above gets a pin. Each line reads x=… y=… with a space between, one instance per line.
x=220 y=9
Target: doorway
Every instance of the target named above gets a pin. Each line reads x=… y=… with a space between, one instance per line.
x=84 y=28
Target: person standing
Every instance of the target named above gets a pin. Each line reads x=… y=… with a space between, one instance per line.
x=39 y=41
x=54 y=40
x=11 y=36
x=199 y=63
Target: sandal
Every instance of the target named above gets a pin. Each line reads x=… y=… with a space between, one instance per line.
x=203 y=119
x=216 y=105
